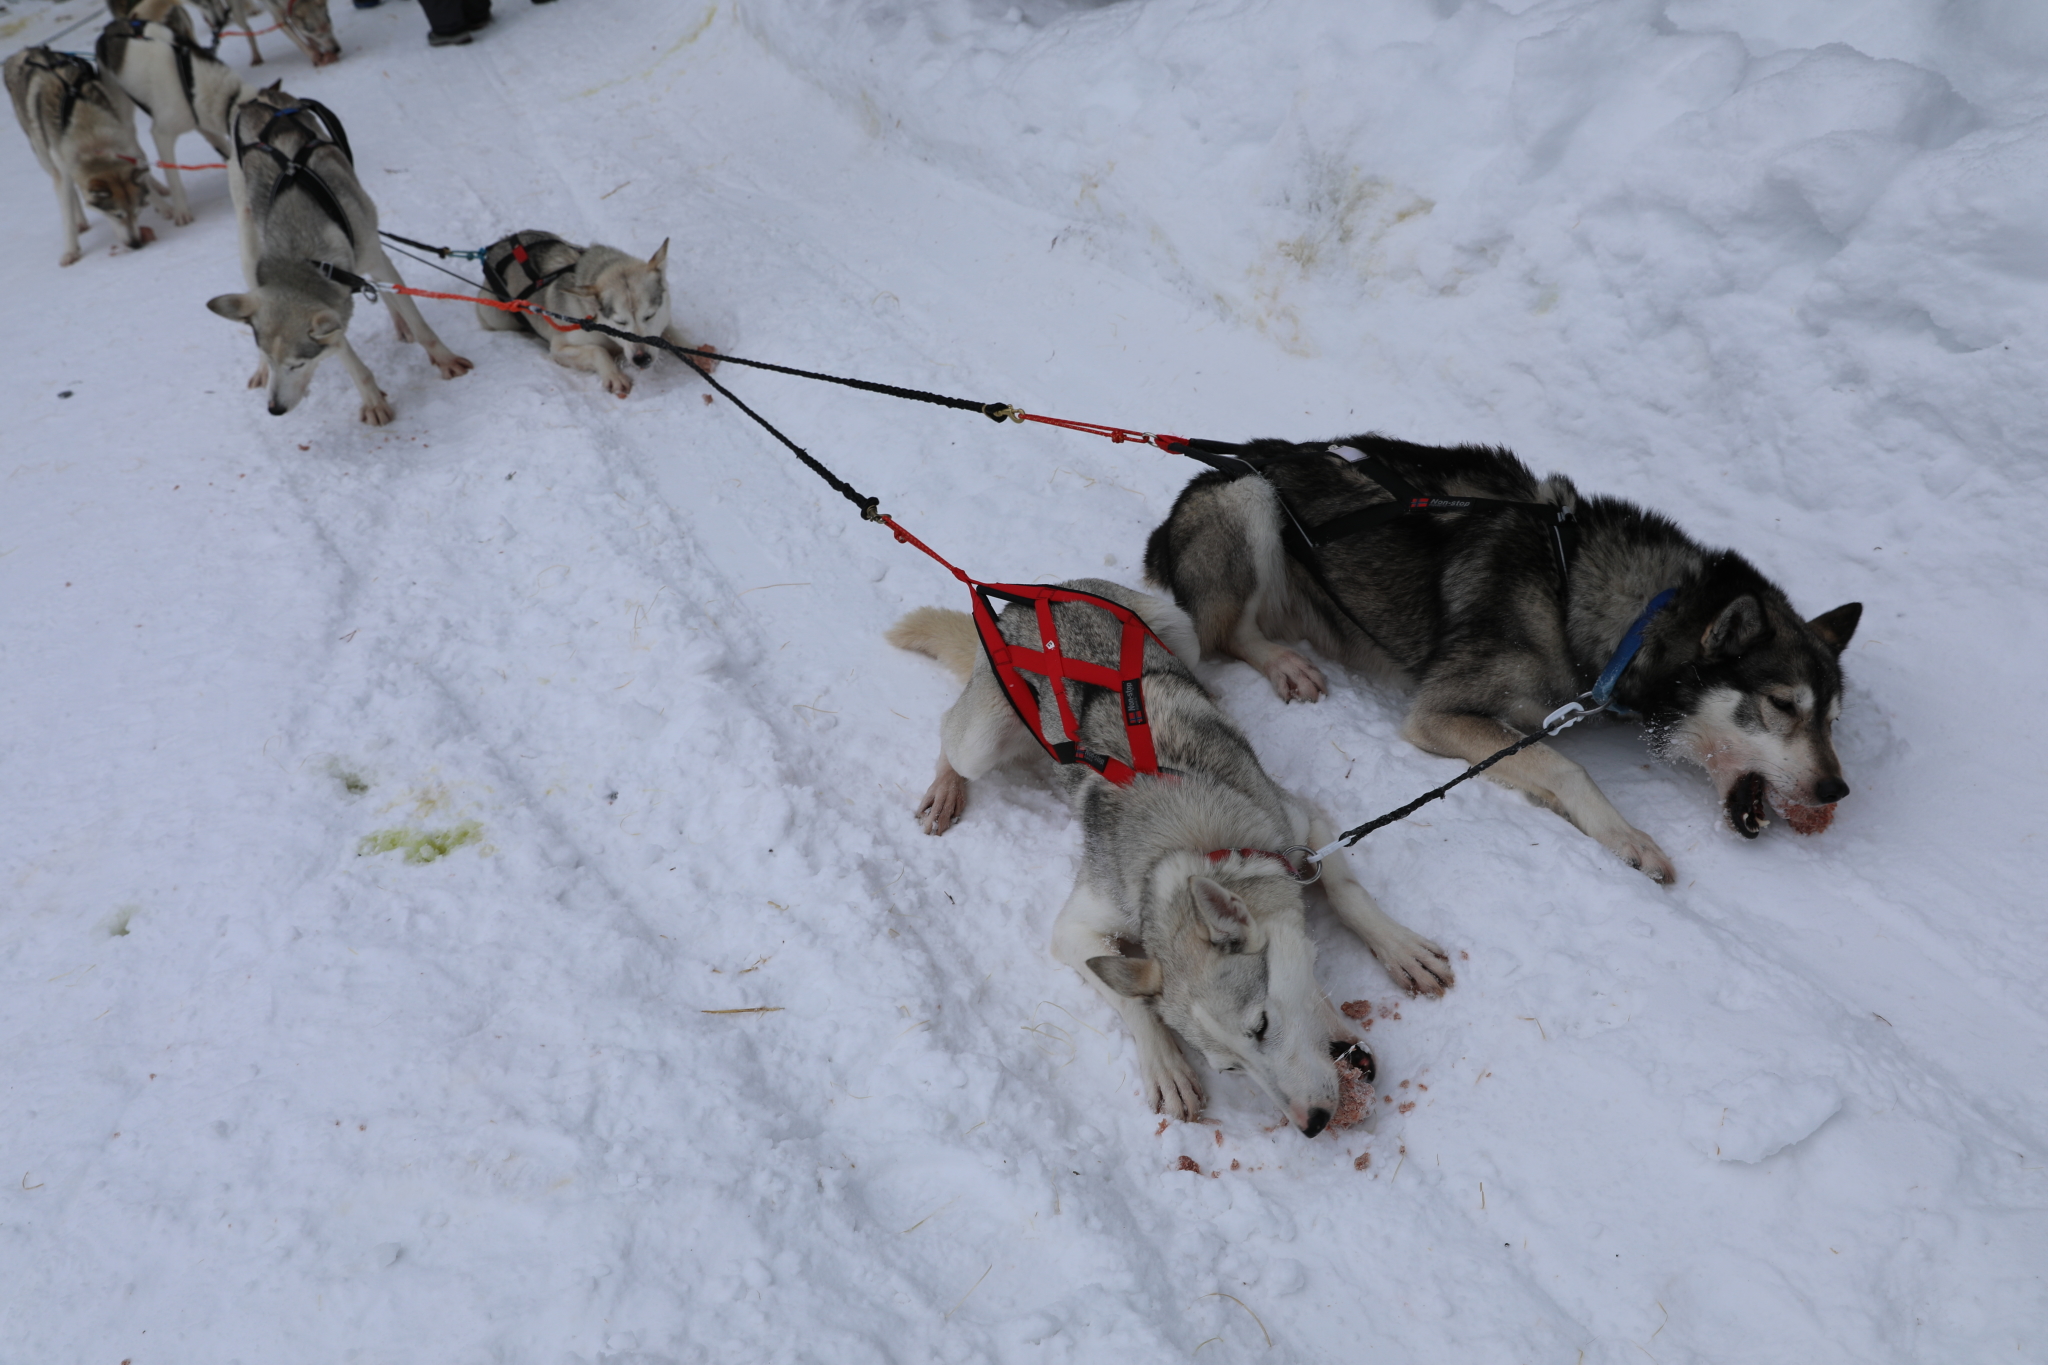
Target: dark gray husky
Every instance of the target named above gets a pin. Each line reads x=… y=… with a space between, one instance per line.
x=1451 y=571
x=1186 y=915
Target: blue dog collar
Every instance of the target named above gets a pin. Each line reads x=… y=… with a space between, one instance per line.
x=1601 y=696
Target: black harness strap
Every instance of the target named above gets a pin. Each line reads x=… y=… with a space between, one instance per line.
x=1406 y=501
x=71 y=72
x=298 y=170
x=519 y=247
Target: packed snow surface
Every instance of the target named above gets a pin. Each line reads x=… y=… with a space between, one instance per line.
x=401 y=822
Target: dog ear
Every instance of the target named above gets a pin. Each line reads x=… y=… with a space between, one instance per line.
x=1227 y=918
x=325 y=327
x=1133 y=976
x=660 y=257
x=233 y=307
x=581 y=291
x=1836 y=627
x=1739 y=628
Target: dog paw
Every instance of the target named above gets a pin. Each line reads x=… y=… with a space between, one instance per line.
x=1747 y=811
x=1417 y=965
x=450 y=364
x=261 y=378
x=70 y=258
x=377 y=412
x=1170 y=1085
x=618 y=385
x=944 y=802
x=178 y=219
x=1640 y=852
x=1295 y=678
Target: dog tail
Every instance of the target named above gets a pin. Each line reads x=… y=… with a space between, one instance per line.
x=937 y=633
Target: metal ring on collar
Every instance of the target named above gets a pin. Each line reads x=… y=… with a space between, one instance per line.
x=1308 y=861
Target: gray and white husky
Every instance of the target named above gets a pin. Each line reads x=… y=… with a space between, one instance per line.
x=1185 y=916
x=304 y=215
x=600 y=282
x=82 y=130
x=180 y=85
x=306 y=22
x=1466 y=607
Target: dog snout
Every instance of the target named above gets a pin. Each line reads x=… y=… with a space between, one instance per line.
x=1313 y=1122
x=1829 y=790
x=278 y=409
x=642 y=359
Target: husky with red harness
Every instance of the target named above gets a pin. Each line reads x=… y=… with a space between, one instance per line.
x=1188 y=914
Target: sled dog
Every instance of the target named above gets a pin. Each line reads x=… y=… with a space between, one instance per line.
x=169 y=13
x=180 y=85
x=1185 y=916
x=82 y=130
x=1467 y=607
x=304 y=216
x=598 y=282
x=306 y=22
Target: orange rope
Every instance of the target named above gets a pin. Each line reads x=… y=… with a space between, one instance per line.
x=504 y=305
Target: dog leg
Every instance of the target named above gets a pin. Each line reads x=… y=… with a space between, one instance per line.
x=1084 y=930
x=180 y=211
x=944 y=801
x=979 y=734
x=1416 y=964
x=594 y=357
x=1545 y=775
x=406 y=315
x=1293 y=677
x=376 y=409
x=72 y=211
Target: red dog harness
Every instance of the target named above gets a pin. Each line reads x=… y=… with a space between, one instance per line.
x=1127 y=679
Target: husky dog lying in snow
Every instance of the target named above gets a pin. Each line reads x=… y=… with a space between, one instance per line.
x=1185 y=916
x=179 y=85
x=82 y=130
x=303 y=214
x=598 y=282
x=1467 y=607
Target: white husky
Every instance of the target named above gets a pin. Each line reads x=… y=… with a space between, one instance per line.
x=598 y=282
x=1186 y=916
x=181 y=86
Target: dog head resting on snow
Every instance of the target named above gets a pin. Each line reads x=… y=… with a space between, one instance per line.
x=629 y=293
x=1226 y=960
x=1737 y=682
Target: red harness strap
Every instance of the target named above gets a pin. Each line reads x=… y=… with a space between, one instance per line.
x=1011 y=662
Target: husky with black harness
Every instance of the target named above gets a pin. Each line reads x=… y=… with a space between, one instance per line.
x=82 y=130
x=1188 y=913
x=1495 y=595
x=598 y=282
x=309 y=241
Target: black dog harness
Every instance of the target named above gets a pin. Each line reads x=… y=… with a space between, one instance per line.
x=73 y=73
x=519 y=247
x=181 y=52
x=322 y=129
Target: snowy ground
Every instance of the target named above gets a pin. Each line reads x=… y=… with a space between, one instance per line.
x=272 y=1095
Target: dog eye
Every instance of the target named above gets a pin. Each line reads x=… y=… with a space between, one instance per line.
x=1259 y=1033
x=1787 y=707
